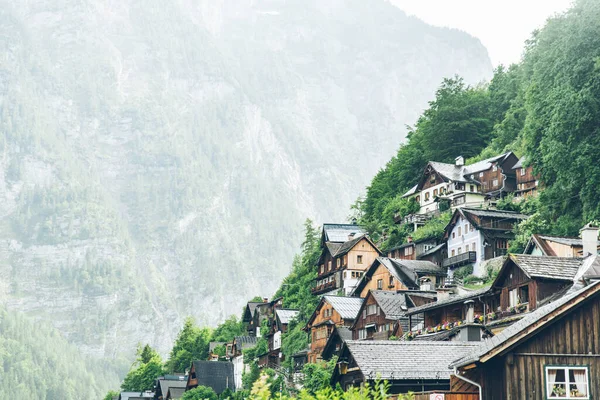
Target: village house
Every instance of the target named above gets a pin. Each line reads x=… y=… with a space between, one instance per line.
x=336 y=340
x=553 y=353
x=461 y=186
x=330 y=312
x=527 y=180
x=175 y=393
x=341 y=265
x=523 y=284
x=248 y=317
x=135 y=395
x=277 y=325
x=407 y=366
x=411 y=250
x=217 y=375
x=164 y=383
x=383 y=314
x=475 y=235
x=556 y=246
x=394 y=274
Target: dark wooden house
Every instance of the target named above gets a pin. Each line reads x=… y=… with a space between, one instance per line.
x=553 y=353
x=338 y=337
x=164 y=383
x=412 y=249
x=217 y=375
x=527 y=180
x=330 y=312
x=407 y=366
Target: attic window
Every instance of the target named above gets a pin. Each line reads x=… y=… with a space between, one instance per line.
x=359 y=259
x=495 y=168
x=379 y=284
x=522 y=171
x=567 y=382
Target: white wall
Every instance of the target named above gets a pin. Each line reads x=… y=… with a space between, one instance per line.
x=238 y=370
x=463 y=240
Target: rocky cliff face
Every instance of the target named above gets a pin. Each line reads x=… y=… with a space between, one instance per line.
x=158 y=158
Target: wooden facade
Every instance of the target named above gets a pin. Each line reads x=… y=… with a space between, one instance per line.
x=568 y=337
x=382 y=279
x=527 y=181
x=411 y=250
x=372 y=320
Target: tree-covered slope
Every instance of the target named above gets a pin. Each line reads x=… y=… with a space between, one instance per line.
x=158 y=158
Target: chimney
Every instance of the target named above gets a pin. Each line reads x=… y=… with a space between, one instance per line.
x=459 y=161
x=351 y=236
x=265 y=300
x=470 y=306
x=589 y=236
x=409 y=239
x=443 y=293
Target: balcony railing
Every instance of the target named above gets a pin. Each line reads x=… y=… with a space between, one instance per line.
x=461 y=259
x=323 y=287
x=415 y=218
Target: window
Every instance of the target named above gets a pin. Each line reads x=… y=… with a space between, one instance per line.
x=362 y=334
x=472 y=246
x=481 y=174
x=513 y=298
x=408 y=251
x=459 y=250
x=418 y=199
x=372 y=309
x=459 y=231
x=567 y=382
x=391 y=281
x=329 y=265
x=472 y=188
x=452 y=252
x=495 y=182
x=379 y=284
x=495 y=168
x=435 y=192
x=466 y=228
x=522 y=171
x=339 y=262
x=426 y=196
x=501 y=244
x=453 y=235
x=472 y=176
x=524 y=294
x=322 y=268
x=359 y=259
x=345 y=260
x=471 y=227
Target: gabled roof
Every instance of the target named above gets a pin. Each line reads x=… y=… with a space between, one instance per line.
x=215 y=374
x=285 y=316
x=340 y=232
x=560 y=268
x=392 y=304
x=519 y=163
x=468 y=214
x=527 y=326
x=175 y=393
x=245 y=341
x=411 y=191
x=166 y=384
x=449 y=301
x=349 y=245
x=540 y=241
x=340 y=334
x=491 y=213
x=249 y=310
x=486 y=164
x=432 y=250
x=347 y=307
x=400 y=360
x=132 y=395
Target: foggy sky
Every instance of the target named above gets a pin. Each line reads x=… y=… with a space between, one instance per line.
x=502 y=26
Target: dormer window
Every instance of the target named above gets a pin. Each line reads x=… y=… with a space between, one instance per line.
x=495 y=168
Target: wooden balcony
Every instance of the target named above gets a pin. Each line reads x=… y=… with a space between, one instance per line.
x=468 y=257
x=326 y=287
x=419 y=219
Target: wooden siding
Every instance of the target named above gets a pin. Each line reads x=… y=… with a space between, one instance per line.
x=382 y=273
x=432 y=178
x=317 y=345
x=451 y=313
x=573 y=340
x=378 y=319
x=367 y=251
x=448 y=396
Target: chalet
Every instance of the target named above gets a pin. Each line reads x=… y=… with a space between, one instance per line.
x=383 y=314
x=523 y=284
x=407 y=366
x=475 y=235
x=341 y=265
x=331 y=311
x=217 y=375
x=338 y=337
x=277 y=326
x=248 y=317
x=462 y=186
x=553 y=353
x=394 y=274
x=164 y=383
x=556 y=246
x=240 y=343
x=412 y=249
x=435 y=255
x=527 y=180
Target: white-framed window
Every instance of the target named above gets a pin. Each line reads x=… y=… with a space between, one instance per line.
x=459 y=250
x=495 y=168
x=408 y=251
x=513 y=298
x=522 y=171
x=567 y=382
x=362 y=334
x=495 y=182
x=459 y=231
x=372 y=309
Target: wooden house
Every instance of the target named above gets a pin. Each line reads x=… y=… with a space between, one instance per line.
x=175 y=393
x=553 y=353
x=341 y=265
x=435 y=255
x=238 y=344
x=330 y=312
x=411 y=250
x=336 y=340
x=394 y=274
x=556 y=246
x=527 y=180
x=407 y=366
x=164 y=383
x=248 y=317
x=460 y=185
x=475 y=235
x=523 y=284
x=135 y=395
x=217 y=375
x=277 y=326
x=383 y=314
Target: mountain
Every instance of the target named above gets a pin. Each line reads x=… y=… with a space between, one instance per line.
x=158 y=158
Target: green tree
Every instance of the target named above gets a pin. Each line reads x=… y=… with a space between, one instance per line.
x=228 y=330
x=111 y=394
x=143 y=373
x=200 y=393
x=191 y=344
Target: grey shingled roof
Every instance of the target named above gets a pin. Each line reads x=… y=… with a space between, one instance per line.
x=215 y=374
x=484 y=164
x=494 y=213
x=132 y=395
x=176 y=393
x=561 y=268
x=347 y=307
x=519 y=163
x=448 y=301
x=166 y=384
x=432 y=250
x=450 y=171
x=392 y=304
x=344 y=333
x=348 y=245
x=420 y=266
x=398 y=360
x=520 y=326
x=285 y=316
x=246 y=341
x=333 y=247
x=411 y=191
x=340 y=232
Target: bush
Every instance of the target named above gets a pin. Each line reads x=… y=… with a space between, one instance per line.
x=200 y=393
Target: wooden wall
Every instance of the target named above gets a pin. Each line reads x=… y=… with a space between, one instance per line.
x=317 y=345
x=384 y=274
x=377 y=319
x=448 y=396
x=367 y=251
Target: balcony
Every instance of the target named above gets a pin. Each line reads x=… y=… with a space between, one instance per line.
x=326 y=287
x=418 y=219
x=460 y=260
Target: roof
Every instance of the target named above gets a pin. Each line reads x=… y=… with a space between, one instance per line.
x=561 y=268
x=519 y=163
x=333 y=247
x=537 y=319
x=448 y=301
x=285 y=316
x=349 y=244
x=166 y=384
x=347 y=307
x=432 y=250
x=246 y=341
x=414 y=242
x=401 y=360
x=133 y=395
x=480 y=212
x=411 y=191
x=251 y=306
x=392 y=304
x=176 y=393
x=485 y=164
x=215 y=374
x=340 y=334
x=420 y=266
x=340 y=232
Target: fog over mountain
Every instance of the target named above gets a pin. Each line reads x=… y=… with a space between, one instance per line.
x=158 y=158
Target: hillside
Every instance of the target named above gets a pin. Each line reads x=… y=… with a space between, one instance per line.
x=158 y=158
